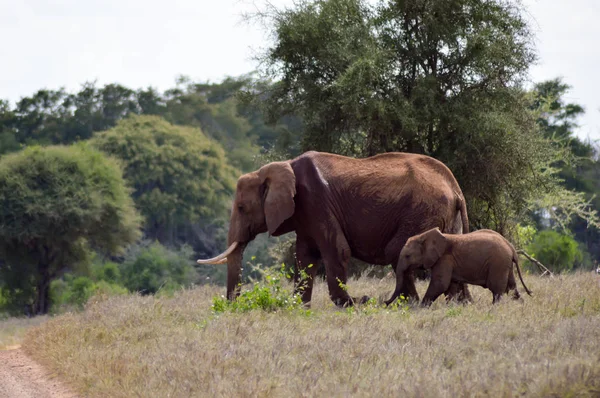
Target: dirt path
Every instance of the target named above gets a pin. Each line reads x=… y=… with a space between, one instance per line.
x=22 y=377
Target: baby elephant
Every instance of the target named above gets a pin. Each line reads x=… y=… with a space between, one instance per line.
x=481 y=258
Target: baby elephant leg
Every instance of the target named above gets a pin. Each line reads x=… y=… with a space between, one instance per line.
x=441 y=277
x=458 y=291
x=499 y=287
x=512 y=285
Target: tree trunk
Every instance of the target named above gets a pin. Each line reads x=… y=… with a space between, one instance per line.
x=42 y=302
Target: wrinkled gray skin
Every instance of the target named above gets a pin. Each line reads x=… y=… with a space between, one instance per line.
x=483 y=258
x=341 y=207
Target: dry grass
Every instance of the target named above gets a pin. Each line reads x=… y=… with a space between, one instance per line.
x=546 y=345
x=12 y=330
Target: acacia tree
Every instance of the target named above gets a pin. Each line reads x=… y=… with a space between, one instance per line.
x=56 y=204
x=438 y=77
x=558 y=120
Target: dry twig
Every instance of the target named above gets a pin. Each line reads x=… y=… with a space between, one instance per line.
x=541 y=266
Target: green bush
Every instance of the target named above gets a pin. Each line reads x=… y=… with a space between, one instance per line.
x=82 y=289
x=268 y=295
x=109 y=289
x=107 y=271
x=148 y=268
x=3 y=302
x=74 y=291
x=558 y=252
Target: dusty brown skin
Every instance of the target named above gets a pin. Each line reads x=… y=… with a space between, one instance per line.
x=481 y=258
x=342 y=207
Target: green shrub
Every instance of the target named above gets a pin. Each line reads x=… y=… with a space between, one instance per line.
x=109 y=289
x=3 y=302
x=558 y=252
x=148 y=268
x=268 y=295
x=73 y=292
x=81 y=290
x=107 y=271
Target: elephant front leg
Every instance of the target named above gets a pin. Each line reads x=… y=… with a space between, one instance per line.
x=441 y=277
x=336 y=255
x=307 y=262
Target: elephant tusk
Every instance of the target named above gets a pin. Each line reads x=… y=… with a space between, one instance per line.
x=221 y=258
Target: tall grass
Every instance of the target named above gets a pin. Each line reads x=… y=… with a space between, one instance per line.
x=545 y=345
x=12 y=330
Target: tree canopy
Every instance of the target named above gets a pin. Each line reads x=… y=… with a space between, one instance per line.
x=182 y=182
x=59 y=117
x=581 y=175
x=438 y=77
x=57 y=203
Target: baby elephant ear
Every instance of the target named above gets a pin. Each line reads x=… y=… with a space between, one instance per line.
x=280 y=188
x=434 y=246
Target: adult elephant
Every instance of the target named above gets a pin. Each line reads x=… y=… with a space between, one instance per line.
x=341 y=207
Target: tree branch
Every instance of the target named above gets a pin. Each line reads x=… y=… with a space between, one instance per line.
x=541 y=266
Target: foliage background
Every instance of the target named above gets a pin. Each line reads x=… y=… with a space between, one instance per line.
x=444 y=78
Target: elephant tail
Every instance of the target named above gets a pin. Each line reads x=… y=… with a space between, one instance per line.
x=516 y=261
x=461 y=206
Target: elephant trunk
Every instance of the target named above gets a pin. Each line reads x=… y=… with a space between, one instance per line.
x=234 y=271
x=399 y=283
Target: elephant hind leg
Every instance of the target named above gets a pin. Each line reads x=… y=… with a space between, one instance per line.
x=496 y=298
x=498 y=290
x=512 y=286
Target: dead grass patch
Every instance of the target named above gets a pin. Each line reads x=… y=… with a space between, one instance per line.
x=546 y=345
x=12 y=330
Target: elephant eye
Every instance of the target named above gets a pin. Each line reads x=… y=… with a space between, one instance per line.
x=240 y=208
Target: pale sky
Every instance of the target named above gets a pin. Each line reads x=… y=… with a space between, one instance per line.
x=140 y=43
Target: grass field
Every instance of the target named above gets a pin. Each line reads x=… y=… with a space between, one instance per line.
x=546 y=345
x=12 y=330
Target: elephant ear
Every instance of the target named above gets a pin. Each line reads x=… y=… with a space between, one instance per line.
x=434 y=245
x=279 y=183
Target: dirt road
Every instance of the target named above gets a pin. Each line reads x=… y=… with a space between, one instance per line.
x=21 y=377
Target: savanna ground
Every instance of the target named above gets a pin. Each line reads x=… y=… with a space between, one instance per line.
x=546 y=345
